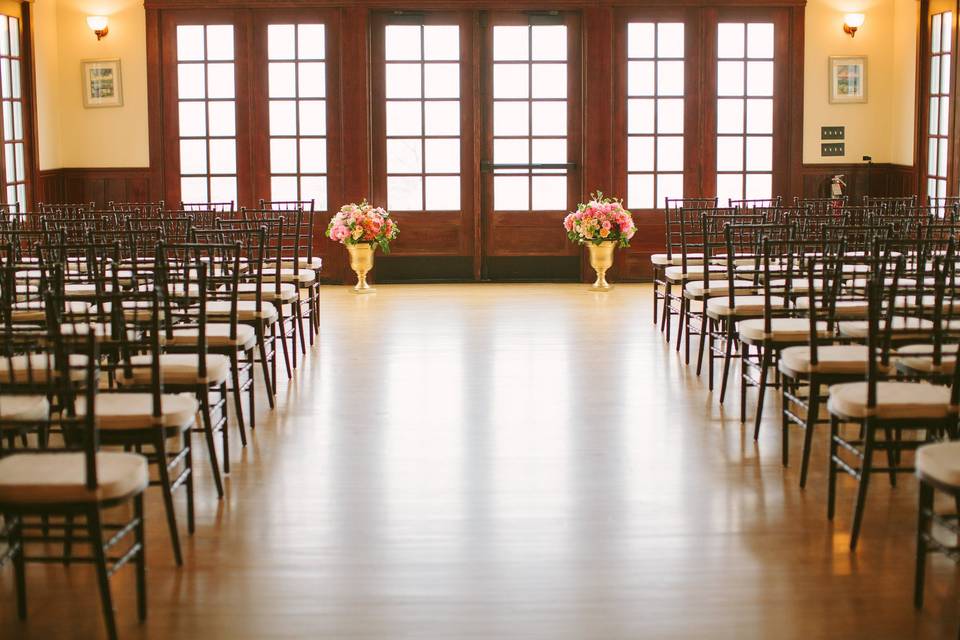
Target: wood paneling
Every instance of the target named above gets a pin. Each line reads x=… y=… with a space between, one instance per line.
x=94 y=185
x=862 y=179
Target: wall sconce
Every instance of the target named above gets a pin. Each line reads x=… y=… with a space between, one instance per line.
x=852 y=22
x=99 y=26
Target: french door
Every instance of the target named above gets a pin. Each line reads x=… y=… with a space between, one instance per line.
x=936 y=112
x=702 y=106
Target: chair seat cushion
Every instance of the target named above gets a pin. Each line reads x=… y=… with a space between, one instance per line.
x=178 y=368
x=22 y=369
x=218 y=335
x=302 y=277
x=831 y=359
x=248 y=291
x=677 y=274
x=24 y=408
x=895 y=400
x=45 y=478
x=797 y=284
x=844 y=308
x=33 y=310
x=315 y=263
x=135 y=410
x=900 y=325
x=781 y=329
x=246 y=310
x=940 y=462
x=663 y=260
x=696 y=289
x=742 y=305
x=918 y=358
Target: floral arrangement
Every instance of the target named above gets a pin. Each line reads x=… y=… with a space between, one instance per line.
x=600 y=220
x=358 y=223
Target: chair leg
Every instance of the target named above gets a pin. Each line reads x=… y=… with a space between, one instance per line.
x=67 y=539
x=251 y=392
x=100 y=559
x=265 y=366
x=188 y=461
x=761 y=394
x=283 y=341
x=19 y=565
x=704 y=329
x=237 y=399
x=926 y=504
x=303 y=338
x=681 y=321
x=711 y=355
x=656 y=288
x=813 y=412
x=214 y=463
x=832 y=477
x=141 y=562
x=860 y=504
x=784 y=426
x=160 y=446
x=744 y=371
x=665 y=312
x=728 y=355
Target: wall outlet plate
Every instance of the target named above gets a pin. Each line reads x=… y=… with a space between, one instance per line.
x=832 y=149
x=832 y=133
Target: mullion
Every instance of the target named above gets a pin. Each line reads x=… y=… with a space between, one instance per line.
x=423 y=121
x=656 y=110
x=743 y=150
x=530 y=116
x=296 y=103
x=206 y=108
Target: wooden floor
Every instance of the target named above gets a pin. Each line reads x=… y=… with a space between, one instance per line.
x=509 y=461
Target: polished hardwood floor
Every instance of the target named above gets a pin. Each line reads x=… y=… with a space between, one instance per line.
x=510 y=461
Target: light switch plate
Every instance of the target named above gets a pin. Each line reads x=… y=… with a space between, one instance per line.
x=832 y=133
x=832 y=149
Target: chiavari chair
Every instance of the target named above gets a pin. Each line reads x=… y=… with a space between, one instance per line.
x=66 y=209
x=138 y=209
x=879 y=406
x=944 y=206
x=755 y=203
x=219 y=207
x=661 y=261
x=890 y=203
x=820 y=206
x=75 y=481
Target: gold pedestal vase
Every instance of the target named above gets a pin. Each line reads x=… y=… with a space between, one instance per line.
x=601 y=259
x=361 y=261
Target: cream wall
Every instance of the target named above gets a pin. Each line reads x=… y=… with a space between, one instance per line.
x=883 y=126
x=70 y=135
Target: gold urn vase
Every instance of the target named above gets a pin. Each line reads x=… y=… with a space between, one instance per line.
x=361 y=261
x=601 y=259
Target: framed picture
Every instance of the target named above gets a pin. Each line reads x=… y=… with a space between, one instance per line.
x=102 y=86
x=848 y=79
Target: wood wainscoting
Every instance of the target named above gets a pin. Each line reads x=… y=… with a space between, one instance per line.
x=633 y=264
x=97 y=185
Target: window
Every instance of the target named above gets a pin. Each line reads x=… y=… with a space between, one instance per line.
x=530 y=117
x=655 y=112
x=296 y=79
x=938 y=100
x=744 y=115
x=422 y=96
x=206 y=101
x=11 y=96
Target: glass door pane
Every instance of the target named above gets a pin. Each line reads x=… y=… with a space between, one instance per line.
x=422 y=123
x=530 y=117
x=936 y=168
x=206 y=101
x=655 y=113
x=11 y=100
x=744 y=110
x=297 y=122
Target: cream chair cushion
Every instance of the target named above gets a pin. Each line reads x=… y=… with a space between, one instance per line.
x=246 y=310
x=218 y=335
x=304 y=277
x=677 y=274
x=135 y=410
x=919 y=358
x=23 y=368
x=742 y=305
x=895 y=400
x=844 y=308
x=900 y=325
x=17 y=408
x=177 y=368
x=940 y=462
x=781 y=329
x=662 y=260
x=831 y=359
x=248 y=291
x=695 y=288
x=44 y=478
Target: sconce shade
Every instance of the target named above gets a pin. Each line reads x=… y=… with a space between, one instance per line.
x=852 y=22
x=98 y=24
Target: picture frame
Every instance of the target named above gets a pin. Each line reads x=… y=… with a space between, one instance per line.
x=102 y=83
x=848 y=79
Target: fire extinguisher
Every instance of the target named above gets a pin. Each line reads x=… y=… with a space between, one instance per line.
x=837 y=186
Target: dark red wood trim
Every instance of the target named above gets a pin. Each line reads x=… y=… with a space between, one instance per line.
x=29 y=93
x=155 y=106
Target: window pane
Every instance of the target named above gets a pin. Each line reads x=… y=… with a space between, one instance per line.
x=549 y=81
x=315 y=188
x=759 y=153
x=549 y=42
x=549 y=118
x=193 y=189
x=947 y=30
x=670 y=116
x=759 y=185
x=942 y=158
x=191 y=81
x=312 y=79
x=18 y=120
x=944 y=115
x=313 y=155
x=510 y=151
x=402 y=42
x=549 y=193
x=193 y=119
x=404 y=156
x=8 y=160
x=640 y=78
x=21 y=171
x=669 y=185
x=510 y=81
x=280 y=42
x=223 y=156
x=220 y=42
x=935 y=74
x=730 y=78
x=511 y=43
x=640 y=116
x=442 y=118
x=443 y=193
x=441 y=80
x=549 y=151
x=189 y=42
x=220 y=80
x=442 y=156
x=404 y=119
x=729 y=153
x=759 y=116
x=945 y=73
x=640 y=191
x=935 y=30
x=313 y=117
x=283 y=117
x=639 y=153
x=223 y=120
x=8 y=121
x=670 y=40
x=760 y=78
x=934 y=116
x=730 y=42
x=511 y=193
x=283 y=155
x=670 y=153
x=932 y=156
x=729 y=187
x=15 y=78
x=511 y=119
x=403 y=81
x=404 y=193
x=193 y=156
x=640 y=40
x=760 y=40
x=223 y=189
x=311 y=41
x=283 y=188
x=670 y=78
x=441 y=42
x=282 y=79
